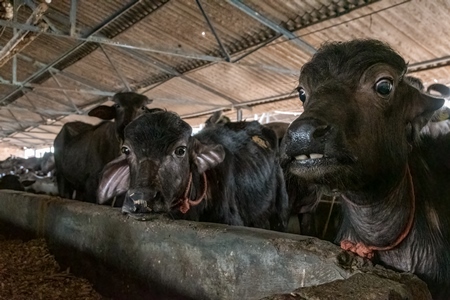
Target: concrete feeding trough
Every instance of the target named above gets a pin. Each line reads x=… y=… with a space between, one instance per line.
x=166 y=259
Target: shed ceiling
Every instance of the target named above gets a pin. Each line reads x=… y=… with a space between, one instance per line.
x=193 y=57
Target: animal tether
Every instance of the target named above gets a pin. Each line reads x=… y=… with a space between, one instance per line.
x=185 y=202
x=368 y=251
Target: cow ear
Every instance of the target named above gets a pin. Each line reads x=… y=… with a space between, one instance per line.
x=207 y=156
x=440 y=88
x=103 y=112
x=423 y=107
x=217 y=118
x=114 y=181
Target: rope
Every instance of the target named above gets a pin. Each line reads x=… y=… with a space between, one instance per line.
x=186 y=203
x=367 y=251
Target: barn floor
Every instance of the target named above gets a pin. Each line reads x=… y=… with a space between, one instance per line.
x=29 y=271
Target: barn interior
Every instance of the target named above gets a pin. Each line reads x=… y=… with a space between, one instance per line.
x=61 y=58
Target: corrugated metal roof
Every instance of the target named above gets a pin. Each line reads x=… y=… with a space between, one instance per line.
x=159 y=39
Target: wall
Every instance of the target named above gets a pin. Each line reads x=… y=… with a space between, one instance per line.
x=6 y=152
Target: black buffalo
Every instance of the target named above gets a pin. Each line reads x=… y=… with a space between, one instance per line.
x=82 y=150
x=226 y=174
x=11 y=182
x=359 y=139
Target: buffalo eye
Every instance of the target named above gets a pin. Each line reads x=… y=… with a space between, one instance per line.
x=180 y=151
x=143 y=107
x=125 y=150
x=384 y=87
x=302 y=94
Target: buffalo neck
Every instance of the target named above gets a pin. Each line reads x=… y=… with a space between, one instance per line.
x=383 y=217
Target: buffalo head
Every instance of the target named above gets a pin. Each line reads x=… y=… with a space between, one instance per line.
x=360 y=115
x=127 y=106
x=159 y=158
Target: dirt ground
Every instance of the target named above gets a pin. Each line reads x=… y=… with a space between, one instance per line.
x=29 y=271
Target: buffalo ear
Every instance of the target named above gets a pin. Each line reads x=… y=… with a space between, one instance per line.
x=217 y=118
x=103 y=112
x=423 y=107
x=207 y=156
x=114 y=181
x=440 y=88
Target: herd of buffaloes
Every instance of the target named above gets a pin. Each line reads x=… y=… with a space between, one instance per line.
x=371 y=138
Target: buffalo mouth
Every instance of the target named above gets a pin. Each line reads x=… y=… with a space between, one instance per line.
x=140 y=211
x=316 y=165
x=308 y=160
x=137 y=209
x=137 y=206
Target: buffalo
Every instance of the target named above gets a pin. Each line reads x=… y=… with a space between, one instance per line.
x=82 y=150
x=11 y=182
x=359 y=139
x=225 y=174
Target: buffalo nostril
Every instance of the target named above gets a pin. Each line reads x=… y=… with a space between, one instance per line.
x=320 y=131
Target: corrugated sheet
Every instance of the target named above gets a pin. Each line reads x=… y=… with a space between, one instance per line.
x=264 y=81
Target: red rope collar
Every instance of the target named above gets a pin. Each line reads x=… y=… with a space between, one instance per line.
x=367 y=251
x=186 y=203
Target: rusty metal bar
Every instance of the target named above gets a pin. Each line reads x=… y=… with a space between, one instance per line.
x=73 y=17
x=23 y=38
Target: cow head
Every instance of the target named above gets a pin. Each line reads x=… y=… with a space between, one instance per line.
x=159 y=154
x=127 y=106
x=359 y=115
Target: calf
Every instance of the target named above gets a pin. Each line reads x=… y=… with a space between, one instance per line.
x=82 y=150
x=358 y=138
x=226 y=174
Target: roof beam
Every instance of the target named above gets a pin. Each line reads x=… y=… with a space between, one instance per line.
x=211 y=27
x=429 y=64
x=64 y=73
x=307 y=48
x=61 y=89
x=119 y=74
x=73 y=17
x=244 y=104
x=65 y=94
x=22 y=38
x=34 y=107
x=101 y=40
x=51 y=99
x=169 y=70
x=72 y=50
x=27 y=140
x=50 y=24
